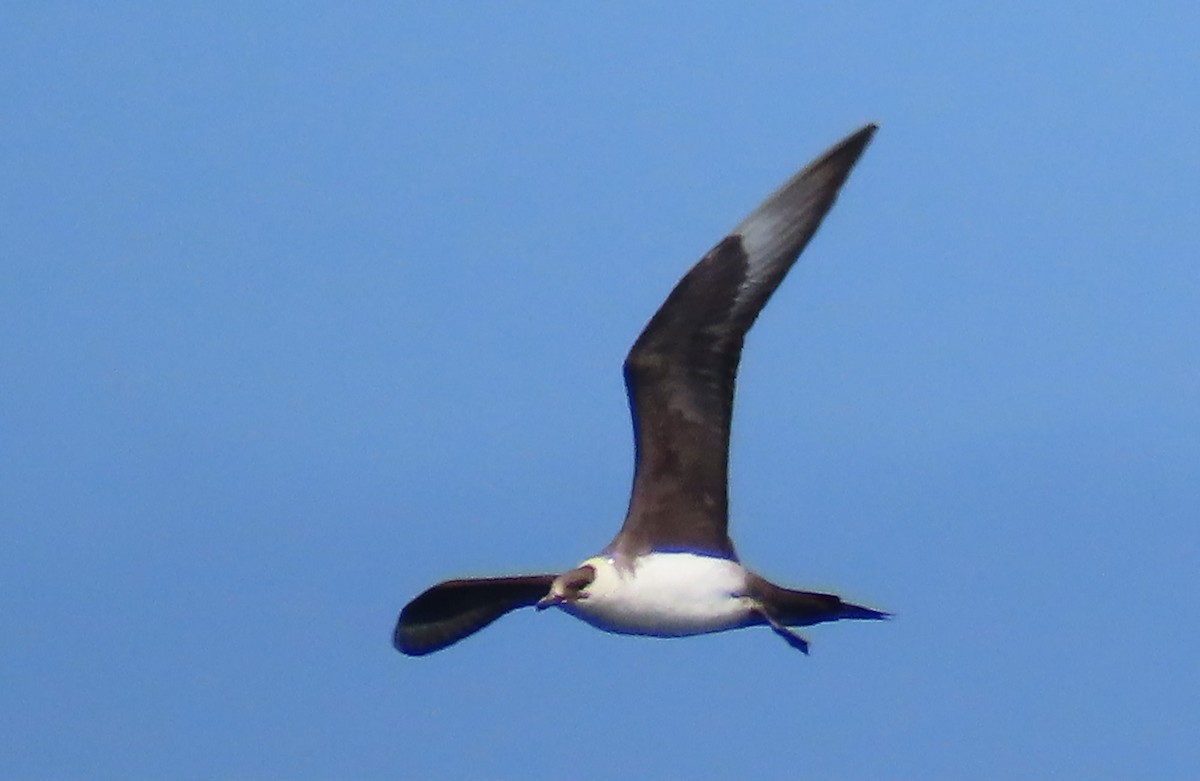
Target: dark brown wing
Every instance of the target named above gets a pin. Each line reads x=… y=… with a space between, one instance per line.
x=450 y=611
x=680 y=373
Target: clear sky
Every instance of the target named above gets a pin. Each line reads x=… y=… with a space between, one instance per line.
x=306 y=307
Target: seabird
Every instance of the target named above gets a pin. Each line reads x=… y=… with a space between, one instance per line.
x=672 y=571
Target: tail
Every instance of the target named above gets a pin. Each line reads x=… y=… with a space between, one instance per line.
x=804 y=608
x=858 y=611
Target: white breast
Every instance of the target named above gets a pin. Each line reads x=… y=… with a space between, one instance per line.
x=666 y=595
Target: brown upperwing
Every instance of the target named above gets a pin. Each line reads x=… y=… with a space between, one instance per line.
x=681 y=372
x=448 y=612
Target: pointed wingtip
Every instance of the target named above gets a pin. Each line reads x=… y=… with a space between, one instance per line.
x=851 y=146
x=866 y=130
x=776 y=232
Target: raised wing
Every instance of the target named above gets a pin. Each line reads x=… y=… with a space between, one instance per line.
x=681 y=371
x=448 y=612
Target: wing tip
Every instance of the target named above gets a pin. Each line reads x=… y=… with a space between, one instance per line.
x=778 y=230
x=849 y=148
x=450 y=611
x=406 y=641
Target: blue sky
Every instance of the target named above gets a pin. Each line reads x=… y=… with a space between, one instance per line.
x=305 y=308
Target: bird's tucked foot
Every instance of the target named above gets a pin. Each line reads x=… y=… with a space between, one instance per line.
x=790 y=636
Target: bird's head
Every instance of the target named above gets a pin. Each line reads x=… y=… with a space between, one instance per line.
x=569 y=587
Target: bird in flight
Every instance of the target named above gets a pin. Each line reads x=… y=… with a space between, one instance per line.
x=672 y=570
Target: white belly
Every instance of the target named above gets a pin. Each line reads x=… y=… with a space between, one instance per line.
x=665 y=595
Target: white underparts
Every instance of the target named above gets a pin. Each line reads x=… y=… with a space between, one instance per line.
x=666 y=595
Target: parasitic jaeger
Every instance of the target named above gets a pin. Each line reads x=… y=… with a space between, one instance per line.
x=672 y=571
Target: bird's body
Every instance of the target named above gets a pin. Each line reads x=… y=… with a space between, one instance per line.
x=665 y=595
x=672 y=570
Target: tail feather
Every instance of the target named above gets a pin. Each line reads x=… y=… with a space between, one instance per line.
x=860 y=612
x=804 y=608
